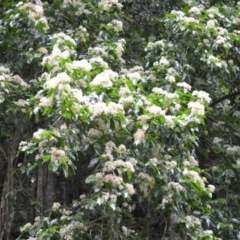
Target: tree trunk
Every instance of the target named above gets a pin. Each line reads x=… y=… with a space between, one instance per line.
x=172 y=234
x=6 y=206
x=45 y=189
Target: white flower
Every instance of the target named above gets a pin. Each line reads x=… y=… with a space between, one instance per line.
x=56 y=154
x=170 y=78
x=114 y=108
x=54 y=82
x=82 y=196
x=176 y=186
x=84 y=64
x=213 y=10
x=130 y=188
x=25 y=227
x=117 y=24
x=99 y=61
x=211 y=24
x=177 y=13
x=201 y=95
x=119 y=49
x=184 y=85
x=194 y=10
x=129 y=166
x=159 y=91
x=164 y=61
x=188 y=20
x=45 y=102
x=92 y=133
x=56 y=206
x=38 y=134
x=134 y=76
x=139 y=136
x=98 y=108
x=193 y=162
x=211 y=188
x=109 y=166
x=107 y=4
x=63 y=37
x=43 y=50
x=217 y=140
x=196 y=108
x=220 y=40
x=104 y=79
x=77 y=93
x=155 y=110
x=126 y=100
x=110 y=146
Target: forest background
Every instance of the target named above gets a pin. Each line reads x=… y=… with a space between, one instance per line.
x=119 y=119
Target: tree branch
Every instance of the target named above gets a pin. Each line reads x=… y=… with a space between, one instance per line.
x=230 y=95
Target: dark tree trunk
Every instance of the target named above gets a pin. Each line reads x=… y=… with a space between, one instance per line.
x=6 y=206
x=45 y=189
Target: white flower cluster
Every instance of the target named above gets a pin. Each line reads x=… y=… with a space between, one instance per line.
x=38 y=134
x=107 y=4
x=61 y=78
x=67 y=232
x=27 y=226
x=55 y=55
x=184 y=85
x=232 y=149
x=202 y=96
x=93 y=133
x=56 y=206
x=35 y=12
x=188 y=20
x=76 y=64
x=119 y=49
x=139 y=136
x=162 y=62
x=194 y=176
x=104 y=79
x=178 y=14
x=217 y=140
x=56 y=154
x=192 y=220
x=100 y=108
x=155 y=45
x=155 y=110
x=211 y=24
x=79 y=6
x=110 y=166
x=43 y=50
x=195 y=10
x=114 y=180
x=177 y=186
x=81 y=34
x=166 y=200
x=62 y=37
x=116 y=25
x=97 y=51
x=196 y=108
x=98 y=61
x=127 y=232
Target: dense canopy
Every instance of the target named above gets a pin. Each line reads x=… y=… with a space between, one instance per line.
x=119 y=119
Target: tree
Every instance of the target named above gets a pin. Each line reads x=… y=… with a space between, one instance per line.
x=142 y=135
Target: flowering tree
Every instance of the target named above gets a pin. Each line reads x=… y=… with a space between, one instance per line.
x=142 y=130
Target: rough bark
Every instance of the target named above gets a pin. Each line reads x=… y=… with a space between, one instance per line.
x=6 y=206
x=45 y=189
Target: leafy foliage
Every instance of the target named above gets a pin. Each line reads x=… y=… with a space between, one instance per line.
x=149 y=122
